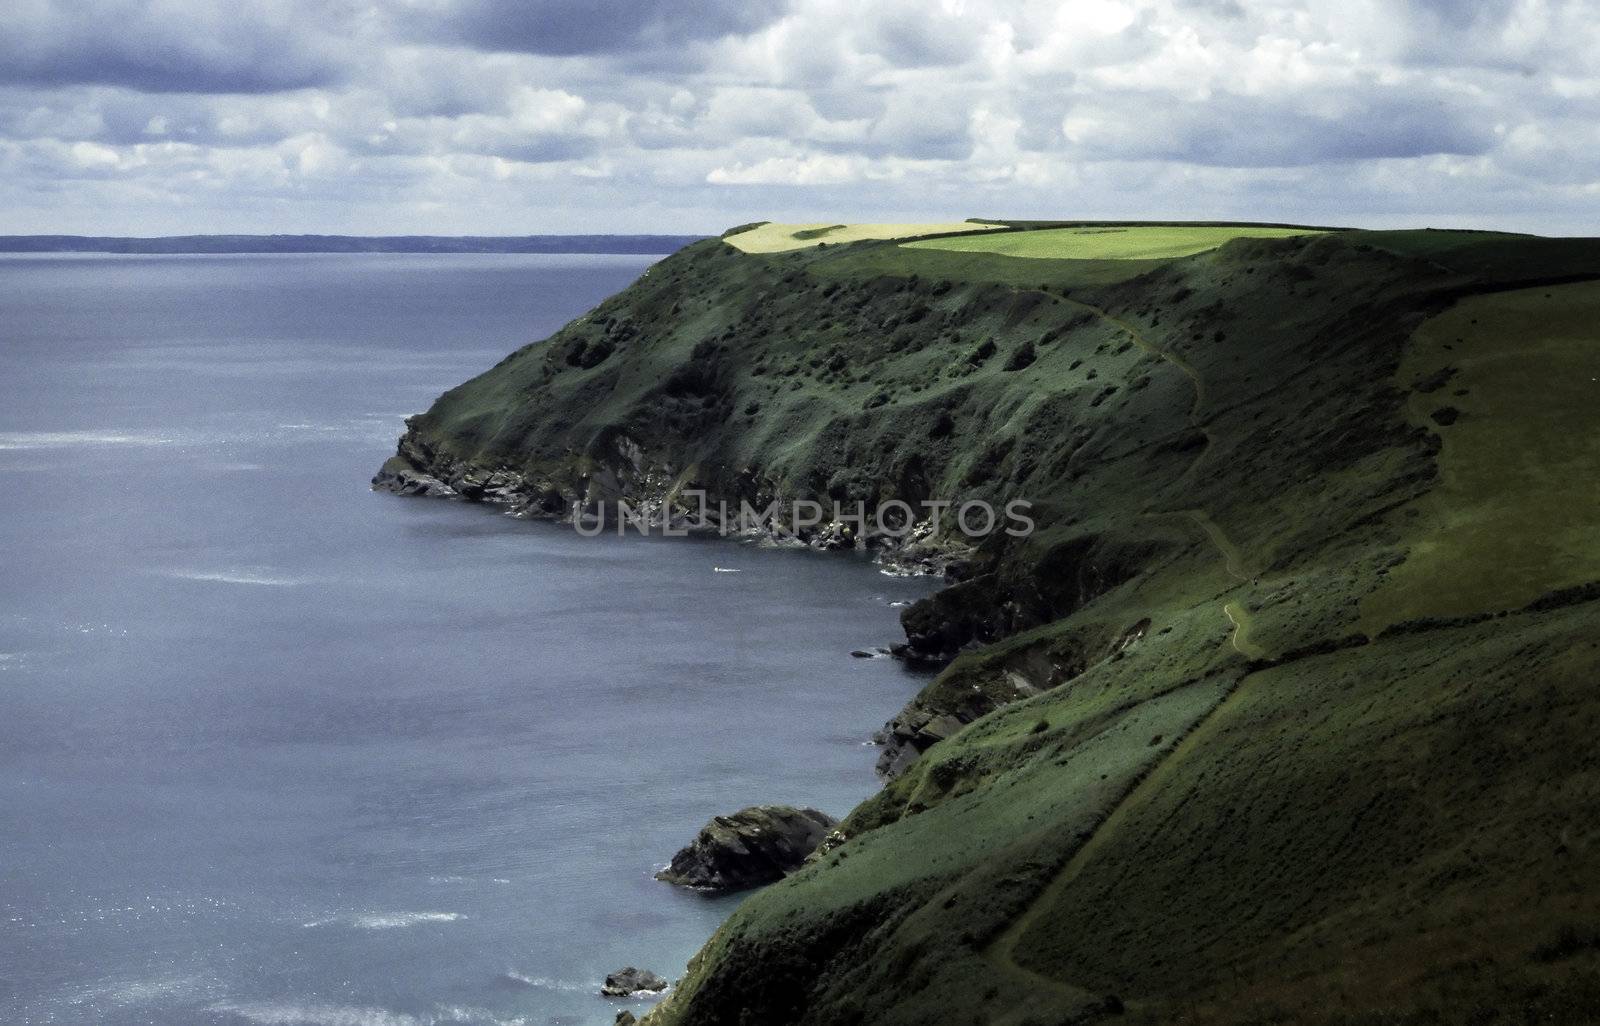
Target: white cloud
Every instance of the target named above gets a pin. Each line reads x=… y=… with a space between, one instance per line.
x=812 y=170
x=93 y=155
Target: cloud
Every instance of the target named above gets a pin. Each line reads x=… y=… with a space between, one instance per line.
x=169 y=45
x=918 y=36
x=542 y=125
x=596 y=27
x=1228 y=130
x=738 y=112
x=494 y=115
x=811 y=170
x=926 y=121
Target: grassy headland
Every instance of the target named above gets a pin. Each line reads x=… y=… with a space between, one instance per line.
x=780 y=238
x=1108 y=242
x=1284 y=713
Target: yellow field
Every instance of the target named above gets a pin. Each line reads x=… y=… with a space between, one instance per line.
x=1108 y=242
x=779 y=238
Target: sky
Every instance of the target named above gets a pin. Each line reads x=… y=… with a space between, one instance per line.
x=510 y=117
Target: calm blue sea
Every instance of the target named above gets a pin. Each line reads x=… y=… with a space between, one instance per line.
x=276 y=749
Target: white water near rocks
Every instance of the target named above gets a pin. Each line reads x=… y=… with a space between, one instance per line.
x=276 y=749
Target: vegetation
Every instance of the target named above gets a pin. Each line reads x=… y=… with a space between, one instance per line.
x=1107 y=242
x=777 y=238
x=1284 y=713
x=1511 y=384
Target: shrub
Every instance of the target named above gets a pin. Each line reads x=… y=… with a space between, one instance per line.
x=1022 y=356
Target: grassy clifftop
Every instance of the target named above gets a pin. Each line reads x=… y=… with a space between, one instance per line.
x=1283 y=713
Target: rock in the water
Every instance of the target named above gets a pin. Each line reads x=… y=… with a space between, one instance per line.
x=752 y=847
x=626 y=1018
x=632 y=981
x=401 y=476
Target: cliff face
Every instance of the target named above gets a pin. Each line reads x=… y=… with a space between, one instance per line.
x=801 y=377
x=1201 y=749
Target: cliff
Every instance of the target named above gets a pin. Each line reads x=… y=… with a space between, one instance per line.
x=1280 y=713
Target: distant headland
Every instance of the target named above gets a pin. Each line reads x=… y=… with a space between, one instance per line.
x=347 y=244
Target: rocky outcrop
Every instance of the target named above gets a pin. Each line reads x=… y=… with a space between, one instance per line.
x=660 y=497
x=401 y=476
x=913 y=731
x=754 y=846
x=939 y=627
x=988 y=681
x=629 y=980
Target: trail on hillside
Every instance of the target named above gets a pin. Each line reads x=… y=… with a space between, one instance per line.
x=1001 y=953
x=1239 y=616
x=1233 y=559
x=1160 y=352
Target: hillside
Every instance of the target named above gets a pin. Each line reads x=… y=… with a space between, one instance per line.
x=1284 y=711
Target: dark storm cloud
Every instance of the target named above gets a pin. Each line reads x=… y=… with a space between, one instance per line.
x=167 y=47
x=598 y=27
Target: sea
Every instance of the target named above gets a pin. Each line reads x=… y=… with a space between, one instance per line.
x=279 y=749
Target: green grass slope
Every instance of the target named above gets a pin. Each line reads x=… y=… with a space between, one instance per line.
x=1107 y=242
x=1511 y=384
x=777 y=238
x=1282 y=714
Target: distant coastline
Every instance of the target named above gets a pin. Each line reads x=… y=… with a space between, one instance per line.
x=347 y=244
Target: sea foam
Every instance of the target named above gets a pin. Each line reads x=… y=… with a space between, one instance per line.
x=386 y=920
x=24 y=441
x=292 y=1013
x=233 y=577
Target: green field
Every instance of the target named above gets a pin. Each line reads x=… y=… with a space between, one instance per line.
x=1517 y=508
x=782 y=238
x=1110 y=242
